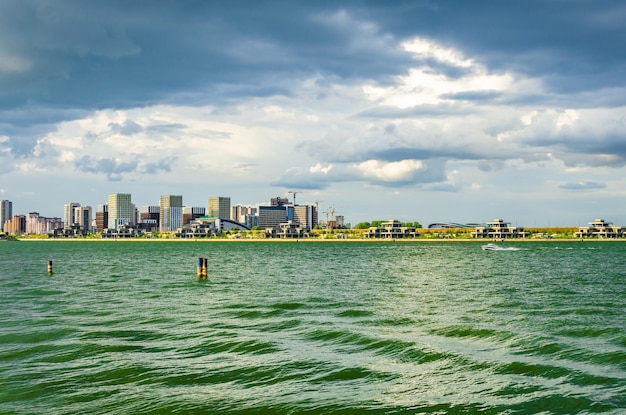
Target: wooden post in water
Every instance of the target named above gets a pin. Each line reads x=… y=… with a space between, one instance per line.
x=205 y=266
x=49 y=267
x=200 y=262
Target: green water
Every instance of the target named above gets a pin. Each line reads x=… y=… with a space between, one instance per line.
x=312 y=328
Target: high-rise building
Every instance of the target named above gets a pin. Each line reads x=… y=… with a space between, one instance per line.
x=219 y=207
x=305 y=215
x=83 y=217
x=68 y=214
x=121 y=210
x=16 y=225
x=6 y=212
x=170 y=213
x=272 y=216
x=102 y=217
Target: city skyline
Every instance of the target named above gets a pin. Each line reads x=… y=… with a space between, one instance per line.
x=448 y=111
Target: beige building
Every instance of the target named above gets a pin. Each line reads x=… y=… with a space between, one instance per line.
x=16 y=225
x=238 y=213
x=391 y=229
x=498 y=229
x=599 y=228
x=170 y=213
x=121 y=210
x=219 y=207
x=305 y=216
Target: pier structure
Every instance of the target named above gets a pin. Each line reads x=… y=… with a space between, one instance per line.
x=499 y=229
x=600 y=229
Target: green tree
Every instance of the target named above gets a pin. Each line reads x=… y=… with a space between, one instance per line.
x=362 y=225
x=377 y=223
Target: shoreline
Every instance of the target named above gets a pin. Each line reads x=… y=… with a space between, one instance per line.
x=316 y=240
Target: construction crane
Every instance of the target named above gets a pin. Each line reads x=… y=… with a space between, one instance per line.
x=331 y=211
x=332 y=224
x=294 y=193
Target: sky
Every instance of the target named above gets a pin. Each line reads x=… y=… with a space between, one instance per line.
x=428 y=111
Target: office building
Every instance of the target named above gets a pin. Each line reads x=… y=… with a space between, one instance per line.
x=121 y=210
x=219 y=207
x=170 y=213
x=102 y=217
x=272 y=216
x=6 y=212
x=83 y=217
x=68 y=214
x=305 y=216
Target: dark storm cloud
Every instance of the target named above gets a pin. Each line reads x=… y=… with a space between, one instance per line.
x=69 y=56
x=574 y=45
x=117 y=54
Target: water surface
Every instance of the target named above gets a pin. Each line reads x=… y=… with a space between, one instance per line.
x=312 y=328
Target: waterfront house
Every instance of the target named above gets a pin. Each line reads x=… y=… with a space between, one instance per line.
x=498 y=229
x=601 y=229
x=391 y=229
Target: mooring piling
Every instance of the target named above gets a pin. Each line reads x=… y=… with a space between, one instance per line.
x=49 y=267
x=202 y=267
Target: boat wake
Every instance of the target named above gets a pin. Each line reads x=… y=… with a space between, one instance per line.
x=494 y=247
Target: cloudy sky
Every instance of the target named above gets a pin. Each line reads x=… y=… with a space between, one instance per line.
x=424 y=111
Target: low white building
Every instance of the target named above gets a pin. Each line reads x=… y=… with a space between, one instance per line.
x=599 y=228
x=391 y=229
x=499 y=229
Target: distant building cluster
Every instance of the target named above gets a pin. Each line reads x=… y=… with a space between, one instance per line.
x=120 y=217
x=279 y=218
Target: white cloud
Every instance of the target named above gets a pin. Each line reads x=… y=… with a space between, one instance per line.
x=390 y=172
x=319 y=169
x=425 y=84
x=427 y=49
